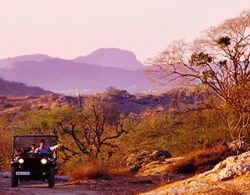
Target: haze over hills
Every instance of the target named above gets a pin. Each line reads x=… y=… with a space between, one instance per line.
x=71 y=76
x=112 y=57
x=34 y=57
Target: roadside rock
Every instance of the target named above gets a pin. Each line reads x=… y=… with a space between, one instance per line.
x=136 y=161
x=234 y=170
x=233 y=166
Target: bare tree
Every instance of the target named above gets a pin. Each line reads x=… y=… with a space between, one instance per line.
x=90 y=133
x=219 y=59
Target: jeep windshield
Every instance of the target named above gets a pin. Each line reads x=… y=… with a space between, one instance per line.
x=24 y=142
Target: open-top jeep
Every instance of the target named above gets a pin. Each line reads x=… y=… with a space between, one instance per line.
x=32 y=166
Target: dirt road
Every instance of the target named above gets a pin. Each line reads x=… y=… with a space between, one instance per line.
x=87 y=187
x=35 y=188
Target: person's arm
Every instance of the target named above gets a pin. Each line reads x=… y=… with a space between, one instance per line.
x=52 y=148
x=36 y=150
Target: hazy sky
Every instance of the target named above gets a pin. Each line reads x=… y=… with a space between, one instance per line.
x=69 y=28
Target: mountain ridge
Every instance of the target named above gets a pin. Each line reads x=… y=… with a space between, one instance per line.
x=103 y=68
x=7 y=62
x=65 y=76
x=112 y=57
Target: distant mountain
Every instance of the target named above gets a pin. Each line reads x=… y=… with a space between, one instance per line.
x=35 y=57
x=15 y=88
x=60 y=75
x=112 y=57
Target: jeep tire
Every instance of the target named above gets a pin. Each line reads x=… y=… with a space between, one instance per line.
x=51 y=177
x=14 y=178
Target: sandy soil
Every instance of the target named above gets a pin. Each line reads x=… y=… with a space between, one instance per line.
x=88 y=187
x=34 y=188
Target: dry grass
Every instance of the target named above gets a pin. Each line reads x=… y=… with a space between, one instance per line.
x=91 y=172
x=99 y=171
x=200 y=160
x=5 y=152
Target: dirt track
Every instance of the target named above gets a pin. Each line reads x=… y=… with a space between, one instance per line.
x=88 y=187
x=34 y=188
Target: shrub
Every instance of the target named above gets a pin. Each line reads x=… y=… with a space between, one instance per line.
x=98 y=171
x=91 y=172
x=200 y=160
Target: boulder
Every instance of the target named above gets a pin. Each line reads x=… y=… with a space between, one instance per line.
x=234 y=170
x=159 y=155
x=232 y=166
x=137 y=160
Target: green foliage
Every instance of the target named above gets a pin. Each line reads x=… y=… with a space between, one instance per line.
x=43 y=121
x=200 y=59
x=224 y=41
x=177 y=133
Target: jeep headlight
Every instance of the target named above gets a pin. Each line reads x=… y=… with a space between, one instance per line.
x=20 y=160
x=44 y=161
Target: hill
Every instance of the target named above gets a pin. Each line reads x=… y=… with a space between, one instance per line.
x=19 y=89
x=65 y=76
x=7 y=62
x=112 y=57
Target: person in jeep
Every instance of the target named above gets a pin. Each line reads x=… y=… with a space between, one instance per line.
x=32 y=149
x=18 y=152
x=44 y=149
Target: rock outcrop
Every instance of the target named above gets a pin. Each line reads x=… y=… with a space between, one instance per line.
x=136 y=161
x=231 y=176
x=232 y=167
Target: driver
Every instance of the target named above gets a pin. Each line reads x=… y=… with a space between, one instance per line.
x=45 y=149
x=32 y=149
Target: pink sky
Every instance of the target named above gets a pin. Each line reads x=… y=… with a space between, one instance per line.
x=70 y=28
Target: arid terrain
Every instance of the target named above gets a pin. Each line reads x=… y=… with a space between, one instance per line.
x=231 y=176
x=125 y=97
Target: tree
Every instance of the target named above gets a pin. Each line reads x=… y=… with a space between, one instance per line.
x=90 y=131
x=219 y=59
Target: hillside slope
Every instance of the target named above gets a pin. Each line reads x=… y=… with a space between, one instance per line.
x=19 y=89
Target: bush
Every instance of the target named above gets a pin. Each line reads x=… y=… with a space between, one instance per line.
x=97 y=170
x=91 y=172
x=200 y=160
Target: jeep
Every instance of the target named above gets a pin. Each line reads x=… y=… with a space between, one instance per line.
x=32 y=166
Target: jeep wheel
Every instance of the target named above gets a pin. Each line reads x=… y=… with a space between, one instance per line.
x=14 y=179
x=51 y=177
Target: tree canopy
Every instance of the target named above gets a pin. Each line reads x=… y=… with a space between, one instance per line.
x=219 y=59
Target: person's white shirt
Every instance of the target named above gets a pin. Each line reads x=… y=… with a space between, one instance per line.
x=51 y=148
